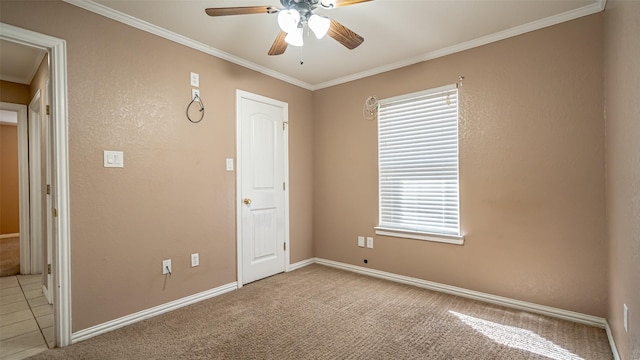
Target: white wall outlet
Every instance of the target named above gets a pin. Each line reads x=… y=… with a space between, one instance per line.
x=626 y=318
x=229 y=164
x=195 y=259
x=194 y=93
x=166 y=267
x=370 y=242
x=361 y=241
x=113 y=159
x=195 y=79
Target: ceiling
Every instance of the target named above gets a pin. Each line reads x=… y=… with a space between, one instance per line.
x=19 y=63
x=397 y=33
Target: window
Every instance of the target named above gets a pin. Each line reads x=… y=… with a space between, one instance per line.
x=418 y=166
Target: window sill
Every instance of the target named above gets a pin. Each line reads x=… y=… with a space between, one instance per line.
x=447 y=239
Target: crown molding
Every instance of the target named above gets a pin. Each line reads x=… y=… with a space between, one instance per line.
x=183 y=40
x=597 y=6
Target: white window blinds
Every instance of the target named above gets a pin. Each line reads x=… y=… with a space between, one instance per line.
x=418 y=162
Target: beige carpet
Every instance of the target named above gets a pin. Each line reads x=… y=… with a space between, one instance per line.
x=9 y=256
x=322 y=313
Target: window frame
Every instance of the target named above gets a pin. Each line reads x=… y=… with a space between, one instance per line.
x=457 y=239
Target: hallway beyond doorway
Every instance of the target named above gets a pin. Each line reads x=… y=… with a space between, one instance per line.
x=26 y=318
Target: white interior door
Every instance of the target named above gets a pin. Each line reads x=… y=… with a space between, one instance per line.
x=49 y=194
x=262 y=187
x=35 y=185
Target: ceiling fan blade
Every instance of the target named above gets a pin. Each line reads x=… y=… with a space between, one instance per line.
x=279 y=46
x=344 y=36
x=240 y=10
x=340 y=3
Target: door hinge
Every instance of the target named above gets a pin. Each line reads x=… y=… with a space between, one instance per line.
x=48 y=189
x=285 y=246
x=284 y=186
x=55 y=212
x=284 y=123
x=49 y=269
x=48 y=110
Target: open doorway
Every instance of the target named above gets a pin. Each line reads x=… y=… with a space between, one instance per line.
x=24 y=74
x=51 y=110
x=13 y=119
x=25 y=211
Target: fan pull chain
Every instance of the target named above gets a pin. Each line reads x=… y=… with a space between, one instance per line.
x=301 y=59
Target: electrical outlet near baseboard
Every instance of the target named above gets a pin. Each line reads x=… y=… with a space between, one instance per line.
x=166 y=267
x=626 y=317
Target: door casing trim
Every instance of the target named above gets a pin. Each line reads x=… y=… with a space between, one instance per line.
x=61 y=271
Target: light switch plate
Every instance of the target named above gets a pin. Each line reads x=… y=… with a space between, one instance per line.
x=370 y=242
x=195 y=79
x=113 y=159
x=361 y=241
x=195 y=259
x=229 y=164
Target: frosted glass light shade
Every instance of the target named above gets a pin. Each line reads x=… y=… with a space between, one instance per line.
x=319 y=25
x=288 y=20
x=294 y=38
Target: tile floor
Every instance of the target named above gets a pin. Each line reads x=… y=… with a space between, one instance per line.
x=26 y=319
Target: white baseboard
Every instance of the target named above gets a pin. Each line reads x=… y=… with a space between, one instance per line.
x=471 y=294
x=9 y=236
x=301 y=264
x=612 y=343
x=475 y=295
x=148 y=313
x=45 y=291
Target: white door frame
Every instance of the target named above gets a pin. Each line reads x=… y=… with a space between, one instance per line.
x=48 y=236
x=240 y=94
x=57 y=50
x=23 y=182
x=34 y=246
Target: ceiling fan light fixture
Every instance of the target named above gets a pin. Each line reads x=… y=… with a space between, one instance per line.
x=319 y=25
x=288 y=20
x=294 y=38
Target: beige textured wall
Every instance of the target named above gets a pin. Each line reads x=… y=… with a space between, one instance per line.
x=128 y=90
x=14 y=93
x=531 y=170
x=622 y=105
x=532 y=166
x=9 y=201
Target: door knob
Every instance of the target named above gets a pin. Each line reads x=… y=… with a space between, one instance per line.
x=247 y=201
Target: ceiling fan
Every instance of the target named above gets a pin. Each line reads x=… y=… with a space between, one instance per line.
x=293 y=17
